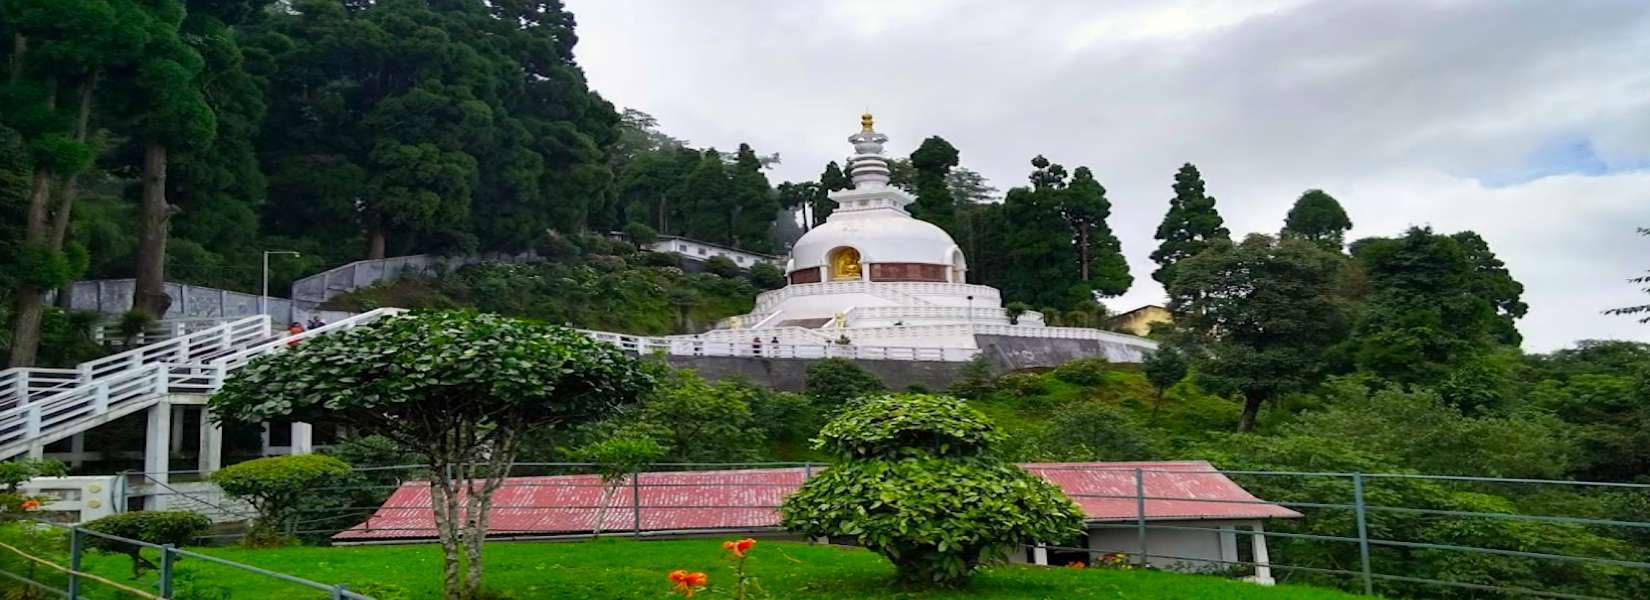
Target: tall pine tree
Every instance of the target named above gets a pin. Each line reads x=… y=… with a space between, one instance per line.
x=1191 y=224
x=932 y=162
x=1100 y=259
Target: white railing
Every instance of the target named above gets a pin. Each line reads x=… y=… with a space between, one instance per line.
x=109 y=332
x=124 y=383
x=22 y=386
x=907 y=293
x=196 y=347
x=19 y=385
x=984 y=316
x=234 y=360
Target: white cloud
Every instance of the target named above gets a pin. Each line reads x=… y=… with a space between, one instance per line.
x=1395 y=108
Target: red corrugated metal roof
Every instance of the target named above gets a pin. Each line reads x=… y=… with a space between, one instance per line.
x=749 y=499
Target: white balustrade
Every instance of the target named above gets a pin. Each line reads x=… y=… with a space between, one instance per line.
x=195 y=363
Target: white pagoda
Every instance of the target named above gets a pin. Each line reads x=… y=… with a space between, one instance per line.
x=873 y=282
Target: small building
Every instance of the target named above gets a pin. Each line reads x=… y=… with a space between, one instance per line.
x=1197 y=519
x=703 y=251
x=1140 y=320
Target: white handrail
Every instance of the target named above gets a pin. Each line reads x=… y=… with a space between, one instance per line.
x=194 y=364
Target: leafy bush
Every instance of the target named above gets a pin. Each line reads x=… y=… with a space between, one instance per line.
x=662 y=259
x=277 y=487
x=1088 y=372
x=974 y=379
x=722 y=266
x=639 y=234
x=178 y=528
x=13 y=474
x=917 y=483
x=837 y=381
x=907 y=425
x=767 y=276
x=1022 y=384
x=1097 y=430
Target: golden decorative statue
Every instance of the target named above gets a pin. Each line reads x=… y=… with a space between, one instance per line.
x=845 y=264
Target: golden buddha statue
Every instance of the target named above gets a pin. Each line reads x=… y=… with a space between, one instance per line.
x=845 y=264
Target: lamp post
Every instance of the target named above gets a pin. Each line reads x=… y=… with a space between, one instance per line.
x=263 y=299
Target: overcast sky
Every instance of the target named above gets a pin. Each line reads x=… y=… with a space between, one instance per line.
x=1528 y=122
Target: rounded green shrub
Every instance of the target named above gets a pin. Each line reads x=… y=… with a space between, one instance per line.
x=1087 y=372
x=177 y=528
x=834 y=382
x=917 y=482
x=277 y=487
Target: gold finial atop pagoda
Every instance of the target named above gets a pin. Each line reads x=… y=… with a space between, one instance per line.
x=865 y=122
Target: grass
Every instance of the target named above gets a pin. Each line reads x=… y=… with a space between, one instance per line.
x=617 y=568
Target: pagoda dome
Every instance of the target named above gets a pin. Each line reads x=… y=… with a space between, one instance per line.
x=878 y=238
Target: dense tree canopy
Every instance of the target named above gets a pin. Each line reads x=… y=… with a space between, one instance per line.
x=1266 y=310
x=1318 y=217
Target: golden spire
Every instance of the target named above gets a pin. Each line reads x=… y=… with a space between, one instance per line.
x=865 y=122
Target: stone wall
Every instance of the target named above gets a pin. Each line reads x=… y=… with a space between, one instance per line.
x=1006 y=354
x=786 y=374
x=114 y=296
x=1012 y=353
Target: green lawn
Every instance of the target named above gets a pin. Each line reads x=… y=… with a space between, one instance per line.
x=619 y=568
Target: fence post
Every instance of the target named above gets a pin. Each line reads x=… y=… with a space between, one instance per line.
x=807 y=471
x=636 y=502
x=1140 y=512
x=338 y=591
x=166 y=570
x=74 y=563
x=1363 y=532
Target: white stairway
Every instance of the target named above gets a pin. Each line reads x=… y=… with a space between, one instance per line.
x=41 y=406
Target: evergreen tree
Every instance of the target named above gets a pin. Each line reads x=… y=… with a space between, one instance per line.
x=754 y=204
x=969 y=187
x=707 y=201
x=164 y=111
x=1031 y=257
x=1099 y=254
x=932 y=163
x=832 y=179
x=1191 y=224
x=55 y=54
x=1319 y=218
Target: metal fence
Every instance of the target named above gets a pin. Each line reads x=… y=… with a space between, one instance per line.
x=1350 y=516
x=77 y=582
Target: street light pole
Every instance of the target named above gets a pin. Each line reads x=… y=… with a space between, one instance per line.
x=263 y=299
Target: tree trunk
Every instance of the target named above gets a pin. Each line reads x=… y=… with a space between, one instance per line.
x=1251 y=411
x=444 y=501
x=30 y=300
x=19 y=48
x=71 y=191
x=375 y=244
x=1083 y=248
x=150 y=297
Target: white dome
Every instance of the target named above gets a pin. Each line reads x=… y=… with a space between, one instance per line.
x=880 y=236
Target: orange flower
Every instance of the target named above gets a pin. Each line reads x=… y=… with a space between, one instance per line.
x=1076 y=564
x=740 y=547
x=31 y=504
x=687 y=583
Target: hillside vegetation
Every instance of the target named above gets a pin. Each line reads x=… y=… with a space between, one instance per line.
x=589 y=282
